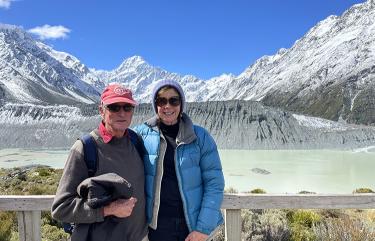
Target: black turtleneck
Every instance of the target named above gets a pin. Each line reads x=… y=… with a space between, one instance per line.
x=170 y=197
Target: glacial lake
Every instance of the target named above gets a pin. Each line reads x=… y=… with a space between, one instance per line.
x=276 y=171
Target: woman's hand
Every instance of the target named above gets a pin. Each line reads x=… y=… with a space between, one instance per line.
x=120 y=208
x=196 y=236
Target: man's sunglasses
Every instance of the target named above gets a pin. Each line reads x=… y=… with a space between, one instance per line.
x=117 y=108
x=173 y=101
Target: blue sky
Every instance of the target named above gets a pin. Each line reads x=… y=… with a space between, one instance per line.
x=204 y=38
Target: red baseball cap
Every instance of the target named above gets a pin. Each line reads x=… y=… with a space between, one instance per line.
x=115 y=93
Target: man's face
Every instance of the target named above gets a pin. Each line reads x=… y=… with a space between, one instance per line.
x=117 y=117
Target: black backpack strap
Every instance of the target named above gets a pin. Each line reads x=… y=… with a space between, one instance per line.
x=90 y=153
x=137 y=142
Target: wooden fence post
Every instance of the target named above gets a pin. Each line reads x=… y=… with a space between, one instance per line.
x=29 y=225
x=233 y=225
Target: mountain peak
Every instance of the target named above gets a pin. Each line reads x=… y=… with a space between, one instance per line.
x=7 y=26
x=15 y=32
x=133 y=61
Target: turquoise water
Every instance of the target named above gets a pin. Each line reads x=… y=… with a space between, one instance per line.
x=22 y=157
x=280 y=171
x=292 y=171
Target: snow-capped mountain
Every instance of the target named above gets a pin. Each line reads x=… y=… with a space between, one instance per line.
x=80 y=70
x=31 y=72
x=329 y=72
x=141 y=77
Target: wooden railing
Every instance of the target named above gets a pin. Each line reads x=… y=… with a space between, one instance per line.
x=29 y=208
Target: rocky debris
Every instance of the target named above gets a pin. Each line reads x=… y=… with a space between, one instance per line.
x=235 y=124
x=19 y=172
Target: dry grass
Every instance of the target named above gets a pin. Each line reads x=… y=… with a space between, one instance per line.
x=334 y=225
x=346 y=228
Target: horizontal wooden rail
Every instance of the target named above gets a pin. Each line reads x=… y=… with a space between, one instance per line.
x=299 y=201
x=29 y=208
x=26 y=203
x=231 y=201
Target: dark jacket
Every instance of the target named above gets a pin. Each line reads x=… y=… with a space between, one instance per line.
x=98 y=192
x=101 y=190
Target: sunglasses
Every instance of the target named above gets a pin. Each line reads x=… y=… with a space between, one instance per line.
x=116 y=108
x=173 y=101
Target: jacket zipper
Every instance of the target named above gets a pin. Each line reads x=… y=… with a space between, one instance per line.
x=161 y=175
x=176 y=166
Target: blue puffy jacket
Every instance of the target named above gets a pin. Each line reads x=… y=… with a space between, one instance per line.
x=199 y=174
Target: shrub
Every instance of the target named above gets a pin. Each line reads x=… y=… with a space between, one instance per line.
x=22 y=176
x=36 y=190
x=345 y=228
x=51 y=230
x=306 y=218
x=258 y=191
x=36 y=180
x=370 y=216
x=267 y=225
x=53 y=233
x=331 y=213
x=363 y=190
x=301 y=223
x=44 y=171
x=230 y=190
x=7 y=221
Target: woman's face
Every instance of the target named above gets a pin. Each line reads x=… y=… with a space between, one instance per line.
x=168 y=104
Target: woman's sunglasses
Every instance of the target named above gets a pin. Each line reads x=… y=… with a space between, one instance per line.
x=117 y=108
x=173 y=101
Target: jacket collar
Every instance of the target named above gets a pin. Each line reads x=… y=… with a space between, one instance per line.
x=105 y=135
x=186 y=132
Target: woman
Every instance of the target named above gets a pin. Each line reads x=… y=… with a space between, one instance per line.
x=184 y=178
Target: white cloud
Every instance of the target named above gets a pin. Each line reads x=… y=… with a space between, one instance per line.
x=5 y=3
x=50 y=32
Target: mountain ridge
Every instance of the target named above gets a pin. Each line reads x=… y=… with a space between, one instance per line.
x=327 y=73
x=30 y=74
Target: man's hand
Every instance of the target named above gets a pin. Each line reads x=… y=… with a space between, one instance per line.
x=196 y=236
x=120 y=208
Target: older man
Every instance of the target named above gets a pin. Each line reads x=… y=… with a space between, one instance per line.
x=123 y=219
